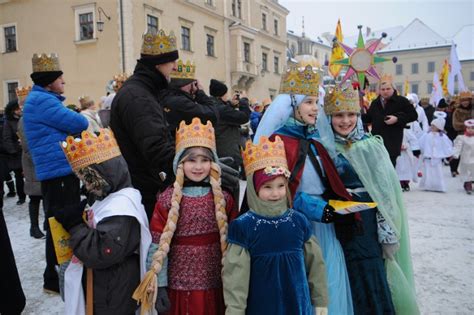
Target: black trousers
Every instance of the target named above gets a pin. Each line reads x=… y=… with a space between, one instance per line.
x=453 y=165
x=19 y=184
x=57 y=193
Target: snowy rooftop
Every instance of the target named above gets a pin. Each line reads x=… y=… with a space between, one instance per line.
x=416 y=35
x=318 y=39
x=464 y=40
x=368 y=34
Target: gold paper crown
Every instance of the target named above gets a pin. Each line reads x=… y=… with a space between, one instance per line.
x=195 y=135
x=22 y=92
x=465 y=94
x=159 y=43
x=263 y=155
x=303 y=82
x=45 y=63
x=90 y=149
x=121 y=77
x=341 y=100
x=85 y=99
x=184 y=70
x=386 y=78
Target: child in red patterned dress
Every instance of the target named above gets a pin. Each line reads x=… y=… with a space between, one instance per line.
x=189 y=229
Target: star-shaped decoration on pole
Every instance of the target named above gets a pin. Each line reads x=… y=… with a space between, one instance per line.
x=362 y=60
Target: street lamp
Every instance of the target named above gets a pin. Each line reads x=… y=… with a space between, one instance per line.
x=100 y=23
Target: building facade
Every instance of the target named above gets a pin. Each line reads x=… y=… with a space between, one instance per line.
x=240 y=42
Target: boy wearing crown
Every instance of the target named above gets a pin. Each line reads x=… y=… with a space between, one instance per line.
x=185 y=98
x=47 y=122
x=113 y=242
x=273 y=263
x=189 y=230
x=388 y=114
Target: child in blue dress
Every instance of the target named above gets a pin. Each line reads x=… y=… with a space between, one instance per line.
x=273 y=264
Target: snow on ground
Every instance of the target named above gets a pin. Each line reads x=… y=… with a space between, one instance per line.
x=441 y=226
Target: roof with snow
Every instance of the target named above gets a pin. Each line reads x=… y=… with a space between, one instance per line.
x=415 y=36
x=368 y=34
x=318 y=40
x=464 y=42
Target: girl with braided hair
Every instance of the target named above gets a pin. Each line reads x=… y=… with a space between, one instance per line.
x=189 y=231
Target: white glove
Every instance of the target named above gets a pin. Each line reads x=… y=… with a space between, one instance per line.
x=389 y=250
x=321 y=311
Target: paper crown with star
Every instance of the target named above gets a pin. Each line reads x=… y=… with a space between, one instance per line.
x=45 y=63
x=341 y=99
x=465 y=95
x=302 y=81
x=195 y=134
x=184 y=70
x=267 y=155
x=90 y=148
x=22 y=92
x=159 y=43
x=386 y=78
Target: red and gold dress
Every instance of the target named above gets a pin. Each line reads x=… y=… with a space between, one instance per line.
x=194 y=260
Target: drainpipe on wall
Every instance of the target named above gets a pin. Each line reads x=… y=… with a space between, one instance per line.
x=122 y=36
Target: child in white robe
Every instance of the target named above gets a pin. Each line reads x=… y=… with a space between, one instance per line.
x=407 y=162
x=435 y=146
x=464 y=149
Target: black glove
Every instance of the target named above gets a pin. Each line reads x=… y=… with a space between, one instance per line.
x=71 y=215
x=162 y=303
x=328 y=214
x=229 y=176
x=416 y=153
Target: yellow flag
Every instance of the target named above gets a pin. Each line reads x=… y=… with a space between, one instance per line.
x=337 y=52
x=346 y=207
x=405 y=88
x=60 y=241
x=443 y=77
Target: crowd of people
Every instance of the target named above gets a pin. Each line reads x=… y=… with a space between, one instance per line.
x=158 y=219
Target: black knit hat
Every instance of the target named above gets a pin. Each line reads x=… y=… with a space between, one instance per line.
x=153 y=60
x=217 y=88
x=46 y=77
x=442 y=103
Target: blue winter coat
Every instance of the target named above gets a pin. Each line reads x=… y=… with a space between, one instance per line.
x=47 y=122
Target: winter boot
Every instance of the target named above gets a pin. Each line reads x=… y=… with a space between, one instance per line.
x=34 y=227
x=11 y=188
x=468 y=187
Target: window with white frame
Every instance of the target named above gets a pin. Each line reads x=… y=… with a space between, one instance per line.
x=264 y=21
x=276 y=64
x=210 y=45
x=414 y=69
x=247 y=52
x=9 y=88
x=85 y=22
x=398 y=69
x=185 y=38
x=265 y=61
x=429 y=87
x=275 y=27
x=414 y=88
x=431 y=66
x=237 y=8
x=10 y=38
x=151 y=24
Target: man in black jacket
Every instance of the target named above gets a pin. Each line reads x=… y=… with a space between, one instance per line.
x=232 y=114
x=138 y=120
x=388 y=114
x=185 y=99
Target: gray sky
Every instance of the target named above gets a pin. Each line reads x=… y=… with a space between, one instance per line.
x=445 y=17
